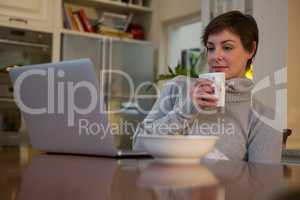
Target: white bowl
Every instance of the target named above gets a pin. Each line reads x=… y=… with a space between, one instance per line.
x=178 y=148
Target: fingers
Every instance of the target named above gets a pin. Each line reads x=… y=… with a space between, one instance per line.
x=203 y=104
x=208 y=89
x=205 y=84
x=203 y=81
x=202 y=94
x=205 y=100
x=206 y=104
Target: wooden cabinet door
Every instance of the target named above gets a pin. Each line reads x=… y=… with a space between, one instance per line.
x=30 y=14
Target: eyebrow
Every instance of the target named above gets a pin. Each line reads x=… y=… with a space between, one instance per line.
x=223 y=41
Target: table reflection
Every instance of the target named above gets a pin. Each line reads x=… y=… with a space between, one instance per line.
x=180 y=181
x=213 y=180
x=67 y=177
x=243 y=180
x=50 y=176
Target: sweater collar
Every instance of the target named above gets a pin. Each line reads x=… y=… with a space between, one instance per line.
x=238 y=89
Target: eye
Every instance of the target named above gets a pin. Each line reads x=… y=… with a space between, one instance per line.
x=210 y=49
x=227 y=48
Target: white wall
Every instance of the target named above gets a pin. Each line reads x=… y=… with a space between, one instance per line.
x=170 y=11
x=183 y=37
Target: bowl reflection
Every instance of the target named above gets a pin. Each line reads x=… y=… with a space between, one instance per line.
x=171 y=175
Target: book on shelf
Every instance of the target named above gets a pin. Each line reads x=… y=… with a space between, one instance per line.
x=115 y=20
x=85 y=22
x=129 y=20
x=110 y=23
x=78 y=22
x=113 y=15
x=69 y=21
x=104 y=30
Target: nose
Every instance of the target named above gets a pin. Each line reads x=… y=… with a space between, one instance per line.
x=218 y=54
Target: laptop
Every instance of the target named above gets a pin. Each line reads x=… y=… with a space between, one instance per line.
x=64 y=110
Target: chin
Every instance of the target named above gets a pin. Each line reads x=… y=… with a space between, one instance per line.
x=231 y=76
x=228 y=76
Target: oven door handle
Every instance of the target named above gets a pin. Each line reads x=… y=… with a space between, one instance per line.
x=18 y=20
x=27 y=44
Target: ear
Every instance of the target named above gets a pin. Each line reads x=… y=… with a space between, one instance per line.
x=253 y=50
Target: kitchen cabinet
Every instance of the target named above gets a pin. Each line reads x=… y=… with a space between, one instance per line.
x=128 y=65
x=76 y=47
x=18 y=47
x=29 y=14
x=121 y=57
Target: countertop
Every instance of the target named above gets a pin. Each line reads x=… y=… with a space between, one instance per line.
x=27 y=174
x=291 y=152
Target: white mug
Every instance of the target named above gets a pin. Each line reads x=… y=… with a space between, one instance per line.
x=218 y=79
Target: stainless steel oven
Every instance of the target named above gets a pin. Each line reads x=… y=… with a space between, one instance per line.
x=17 y=47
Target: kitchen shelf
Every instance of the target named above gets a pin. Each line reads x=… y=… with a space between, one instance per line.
x=99 y=36
x=141 y=10
x=2 y=99
x=12 y=134
x=114 y=6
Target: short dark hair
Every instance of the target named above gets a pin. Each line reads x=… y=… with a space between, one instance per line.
x=238 y=23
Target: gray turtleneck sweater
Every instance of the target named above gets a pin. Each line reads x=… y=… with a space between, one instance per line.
x=242 y=135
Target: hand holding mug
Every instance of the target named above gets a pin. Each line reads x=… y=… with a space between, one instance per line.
x=209 y=91
x=203 y=94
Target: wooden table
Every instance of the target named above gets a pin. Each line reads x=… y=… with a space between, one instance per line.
x=25 y=174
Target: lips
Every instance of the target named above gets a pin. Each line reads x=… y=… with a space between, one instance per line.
x=219 y=68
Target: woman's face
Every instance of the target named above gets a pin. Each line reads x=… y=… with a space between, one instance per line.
x=227 y=54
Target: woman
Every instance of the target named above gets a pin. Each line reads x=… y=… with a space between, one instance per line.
x=231 y=40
